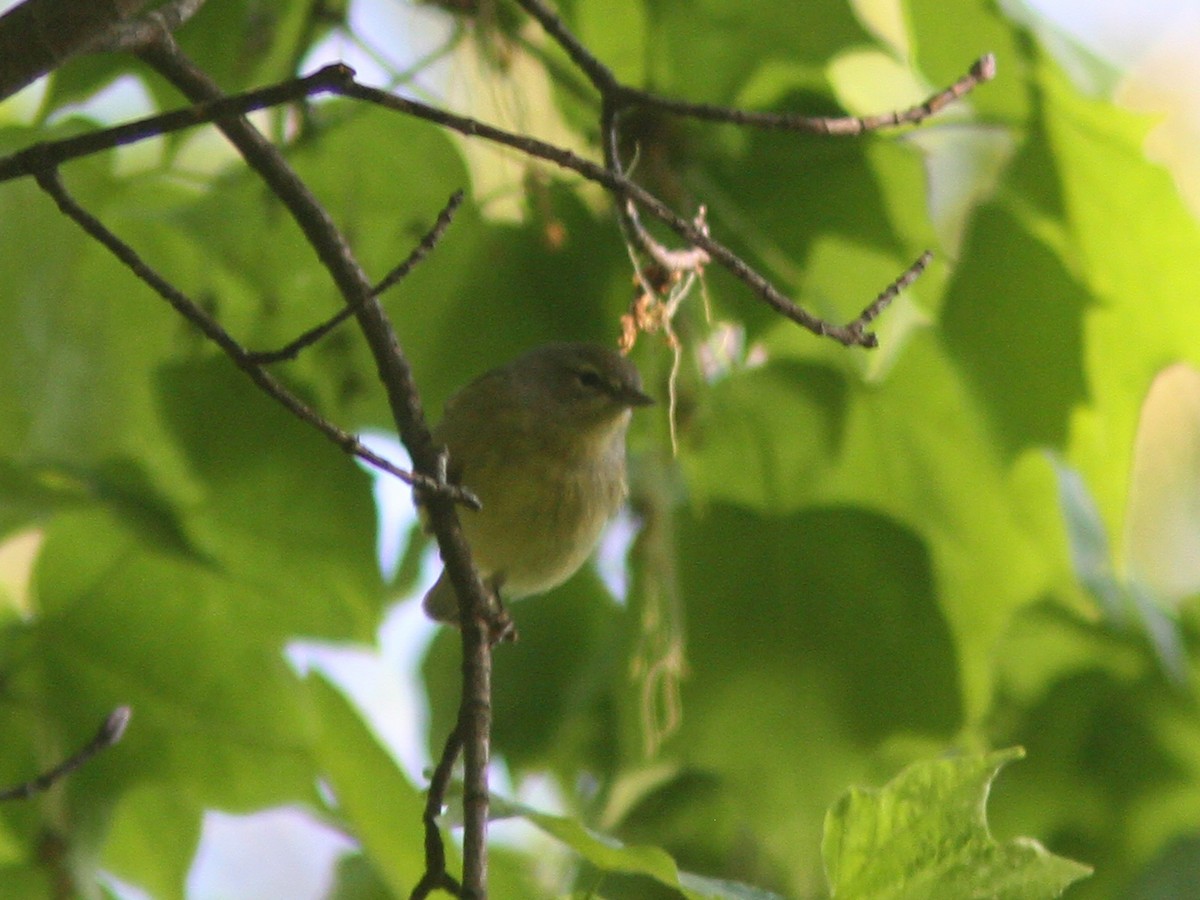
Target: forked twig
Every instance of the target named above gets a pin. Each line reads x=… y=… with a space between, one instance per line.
x=436 y=876
x=51 y=182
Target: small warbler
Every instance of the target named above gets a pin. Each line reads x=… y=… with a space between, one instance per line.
x=541 y=442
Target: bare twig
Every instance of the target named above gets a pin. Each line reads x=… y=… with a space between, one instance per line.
x=39 y=156
x=888 y=294
x=428 y=242
x=50 y=181
x=109 y=733
x=983 y=69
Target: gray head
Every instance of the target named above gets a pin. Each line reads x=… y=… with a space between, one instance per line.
x=579 y=384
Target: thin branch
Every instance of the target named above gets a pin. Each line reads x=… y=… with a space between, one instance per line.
x=52 y=184
x=109 y=733
x=888 y=294
x=983 y=69
x=428 y=242
x=39 y=156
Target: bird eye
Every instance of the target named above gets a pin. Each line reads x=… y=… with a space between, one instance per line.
x=590 y=379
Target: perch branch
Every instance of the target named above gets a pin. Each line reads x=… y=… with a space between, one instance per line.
x=396 y=376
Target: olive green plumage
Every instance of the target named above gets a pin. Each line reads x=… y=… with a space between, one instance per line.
x=541 y=442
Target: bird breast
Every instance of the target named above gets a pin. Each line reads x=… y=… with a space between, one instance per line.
x=542 y=514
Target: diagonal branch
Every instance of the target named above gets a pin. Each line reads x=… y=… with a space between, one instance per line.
x=398 y=382
x=110 y=732
x=428 y=242
x=983 y=69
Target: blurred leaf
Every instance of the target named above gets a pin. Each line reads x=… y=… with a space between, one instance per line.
x=141 y=851
x=279 y=505
x=1090 y=554
x=765 y=436
x=925 y=834
x=1125 y=604
x=1162 y=525
x=1171 y=875
x=733 y=39
x=608 y=854
x=376 y=801
x=1022 y=346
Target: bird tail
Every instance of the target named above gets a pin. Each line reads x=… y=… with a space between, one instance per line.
x=441 y=601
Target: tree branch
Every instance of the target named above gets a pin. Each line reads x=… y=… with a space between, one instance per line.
x=428 y=242
x=40 y=35
x=436 y=876
x=396 y=376
x=109 y=733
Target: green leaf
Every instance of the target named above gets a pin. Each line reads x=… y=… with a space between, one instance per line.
x=1129 y=605
x=610 y=855
x=742 y=446
x=925 y=834
x=382 y=809
x=1162 y=524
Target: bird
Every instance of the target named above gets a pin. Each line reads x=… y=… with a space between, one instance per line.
x=541 y=443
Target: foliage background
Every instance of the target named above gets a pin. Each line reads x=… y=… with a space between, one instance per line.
x=873 y=558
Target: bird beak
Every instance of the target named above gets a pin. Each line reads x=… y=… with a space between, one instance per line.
x=634 y=397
